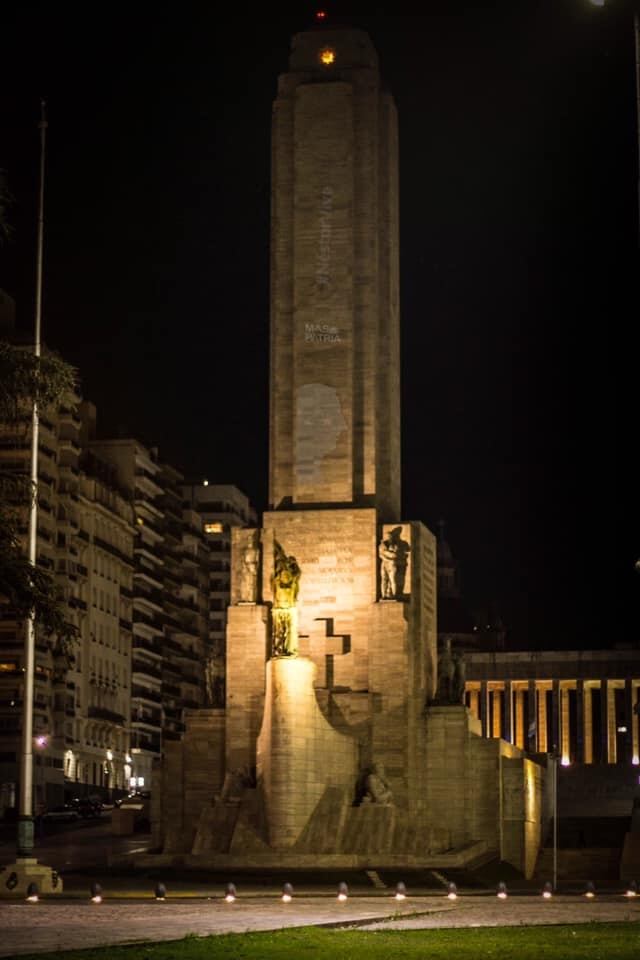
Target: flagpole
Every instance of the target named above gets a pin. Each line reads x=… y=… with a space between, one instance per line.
x=25 y=817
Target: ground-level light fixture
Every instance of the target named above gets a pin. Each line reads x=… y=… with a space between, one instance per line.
x=590 y=890
x=230 y=893
x=632 y=889
x=287 y=893
x=95 y=893
x=32 y=893
x=343 y=891
x=452 y=891
x=547 y=890
x=160 y=892
x=401 y=891
x=501 y=892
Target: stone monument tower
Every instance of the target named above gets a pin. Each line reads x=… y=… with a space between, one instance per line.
x=322 y=750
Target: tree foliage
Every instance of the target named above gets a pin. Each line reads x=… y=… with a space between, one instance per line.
x=25 y=378
x=25 y=588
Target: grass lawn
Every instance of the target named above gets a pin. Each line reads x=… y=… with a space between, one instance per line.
x=593 y=941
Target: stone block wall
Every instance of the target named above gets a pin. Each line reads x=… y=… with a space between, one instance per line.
x=191 y=773
x=247 y=630
x=479 y=789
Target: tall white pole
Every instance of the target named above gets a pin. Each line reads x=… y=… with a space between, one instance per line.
x=636 y=30
x=25 y=820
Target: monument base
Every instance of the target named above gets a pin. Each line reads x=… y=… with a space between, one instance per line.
x=16 y=877
x=469 y=857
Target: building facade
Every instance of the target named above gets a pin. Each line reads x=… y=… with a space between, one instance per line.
x=582 y=705
x=216 y=509
x=132 y=563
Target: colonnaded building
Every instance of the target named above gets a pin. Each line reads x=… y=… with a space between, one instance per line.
x=342 y=742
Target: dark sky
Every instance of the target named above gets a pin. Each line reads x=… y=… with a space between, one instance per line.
x=518 y=242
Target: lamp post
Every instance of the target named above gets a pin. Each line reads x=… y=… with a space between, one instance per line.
x=554 y=757
x=25 y=813
x=26 y=869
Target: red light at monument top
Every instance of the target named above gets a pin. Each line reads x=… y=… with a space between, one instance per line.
x=321 y=15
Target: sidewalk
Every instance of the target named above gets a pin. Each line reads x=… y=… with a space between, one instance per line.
x=51 y=925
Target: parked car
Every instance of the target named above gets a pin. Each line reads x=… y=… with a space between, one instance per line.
x=64 y=812
x=86 y=807
x=134 y=796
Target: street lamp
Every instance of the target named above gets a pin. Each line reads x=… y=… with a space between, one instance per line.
x=26 y=868
x=553 y=762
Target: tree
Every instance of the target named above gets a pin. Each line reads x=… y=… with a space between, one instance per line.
x=49 y=381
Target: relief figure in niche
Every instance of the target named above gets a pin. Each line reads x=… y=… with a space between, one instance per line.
x=249 y=566
x=376 y=786
x=394 y=556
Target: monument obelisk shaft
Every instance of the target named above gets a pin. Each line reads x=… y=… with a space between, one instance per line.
x=335 y=384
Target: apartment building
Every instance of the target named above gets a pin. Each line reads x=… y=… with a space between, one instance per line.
x=217 y=508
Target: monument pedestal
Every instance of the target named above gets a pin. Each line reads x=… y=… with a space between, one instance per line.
x=16 y=877
x=299 y=753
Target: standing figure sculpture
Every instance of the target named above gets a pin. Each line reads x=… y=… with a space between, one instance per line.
x=249 y=564
x=451 y=675
x=285 y=584
x=214 y=681
x=394 y=555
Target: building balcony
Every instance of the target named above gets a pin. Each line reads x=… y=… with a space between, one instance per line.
x=150 y=720
x=150 y=744
x=140 y=617
x=98 y=542
x=145 y=643
x=77 y=602
x=143 y=693
x=150 y=670
x=103 y=713
x=153 y=599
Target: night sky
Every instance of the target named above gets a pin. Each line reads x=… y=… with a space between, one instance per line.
x=519 y=235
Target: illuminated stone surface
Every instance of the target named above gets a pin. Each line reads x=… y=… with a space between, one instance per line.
x=303 y=732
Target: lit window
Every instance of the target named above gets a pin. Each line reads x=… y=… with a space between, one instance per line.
x=327 y=57
x=213 y=527
x=8 y=667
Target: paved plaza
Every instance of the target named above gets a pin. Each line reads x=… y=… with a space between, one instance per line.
x=57 y=925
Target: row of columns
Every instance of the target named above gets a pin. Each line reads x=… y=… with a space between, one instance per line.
x=540 y=725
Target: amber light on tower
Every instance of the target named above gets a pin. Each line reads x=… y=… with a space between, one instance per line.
x=327 y=57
